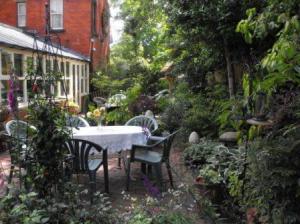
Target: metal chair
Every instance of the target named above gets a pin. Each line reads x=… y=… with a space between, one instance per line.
x=87 y=157
x=145 y=155
x=17 y=139
x=76 y=121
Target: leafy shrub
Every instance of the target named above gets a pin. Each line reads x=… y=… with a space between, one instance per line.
x=122 y=113
x=275 y=164
x=198 y=154
x=142 y=104
x=24 y=207
x=173 y=115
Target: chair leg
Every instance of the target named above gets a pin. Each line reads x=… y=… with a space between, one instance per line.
x=149 y=170
x=170 y=174
x=128 y=176
x=119 y=160
x=143 y=168
x=105 y=168
x=11 y=172
x=92 y=175
x=158 y=175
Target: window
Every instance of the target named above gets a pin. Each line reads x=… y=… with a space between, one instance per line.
x=18 y=64
x=94 y=16
x=4 y=87
x=82 y=79
x=65 y=84
x=6 y=62
x=21 y=6
x=86 y=79
x=11 y=60
x=56 y=14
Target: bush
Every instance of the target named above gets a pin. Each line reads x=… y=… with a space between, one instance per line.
x=198 y=154
x=27 y=207
x=275 y=164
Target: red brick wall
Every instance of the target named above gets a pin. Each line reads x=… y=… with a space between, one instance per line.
x=77 y=25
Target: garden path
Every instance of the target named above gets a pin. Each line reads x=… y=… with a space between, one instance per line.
x=123 y=200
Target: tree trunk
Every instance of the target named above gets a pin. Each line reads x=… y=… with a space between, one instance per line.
x=230 y=74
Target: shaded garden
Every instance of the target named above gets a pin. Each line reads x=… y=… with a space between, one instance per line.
x=207 y=67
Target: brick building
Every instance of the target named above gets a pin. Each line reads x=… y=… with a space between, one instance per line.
x=82 y=25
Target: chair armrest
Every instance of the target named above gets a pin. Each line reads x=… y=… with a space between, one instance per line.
x=69 y=157
x=156 y=138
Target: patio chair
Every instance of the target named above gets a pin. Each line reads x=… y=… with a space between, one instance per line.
x=87 y=157
x=145 y=154
x=143 y=121
x=17 y=138
x=76 y=122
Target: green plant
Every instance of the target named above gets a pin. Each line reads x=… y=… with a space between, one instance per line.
x=199 y=153
x=273 y=163
x=122 y=113
x=70 y=207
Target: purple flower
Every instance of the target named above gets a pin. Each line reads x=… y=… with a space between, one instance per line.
x=12 y=101
x=2 y=181
x=152 y=190
x=146 y=132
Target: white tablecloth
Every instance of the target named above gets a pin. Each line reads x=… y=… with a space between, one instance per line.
x=112 y=138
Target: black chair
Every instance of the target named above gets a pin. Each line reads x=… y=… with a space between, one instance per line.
x=145 y=155
x=87 y=157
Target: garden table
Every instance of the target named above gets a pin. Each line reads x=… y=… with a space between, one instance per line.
x=112 y=138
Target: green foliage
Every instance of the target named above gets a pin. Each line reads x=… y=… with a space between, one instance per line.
x=199 y=153
x=281 y=20
x=46 y=146
x=70 y=207
x=274 y=164
x=122 y=113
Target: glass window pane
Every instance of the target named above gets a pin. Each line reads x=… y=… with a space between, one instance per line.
x=18 y=59
x=62 y=67
x=22 y=14
x=48 y=66
x=20 y=91
x=22 y=8
x=56 y=6
x=68 y=69
x=55 y=65
x=65 y=88
x=29 y=63
x=6 y=63
x=56 y=21
x=21 y=20
x=4 y=91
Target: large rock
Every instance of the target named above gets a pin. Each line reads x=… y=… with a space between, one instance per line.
x=149 y=113
x=194 y=138
x=230 y=136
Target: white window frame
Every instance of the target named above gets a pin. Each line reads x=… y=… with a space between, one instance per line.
x=57 y=10
x=21 y=23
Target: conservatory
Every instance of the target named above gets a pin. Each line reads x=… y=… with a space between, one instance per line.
x=18 y=52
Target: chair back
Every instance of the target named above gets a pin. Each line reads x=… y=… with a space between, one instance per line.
x=18 y=129
x=82 y=151
x=143 y=121
x=76 y=121
x=168 y=145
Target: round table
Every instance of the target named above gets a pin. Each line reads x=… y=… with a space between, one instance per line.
x=112 y=138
